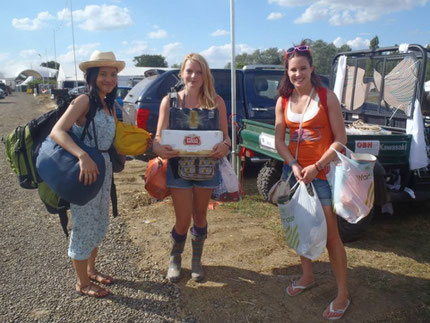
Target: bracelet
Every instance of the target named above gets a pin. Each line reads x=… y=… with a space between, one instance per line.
x=318 y=166
x=293 y=162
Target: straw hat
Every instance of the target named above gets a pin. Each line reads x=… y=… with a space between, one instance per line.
x=102 y=59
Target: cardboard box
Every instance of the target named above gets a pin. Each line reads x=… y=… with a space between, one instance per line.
x=192 y=142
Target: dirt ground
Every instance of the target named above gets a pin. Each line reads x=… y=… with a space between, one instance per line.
x=248 y=266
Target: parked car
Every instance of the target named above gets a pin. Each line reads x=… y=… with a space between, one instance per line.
x=2 y=94
x=78 y=90
x=256 y=93
x=120 y=95
x=4 y=88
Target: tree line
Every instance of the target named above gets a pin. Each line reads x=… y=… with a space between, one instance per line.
x=322 y=53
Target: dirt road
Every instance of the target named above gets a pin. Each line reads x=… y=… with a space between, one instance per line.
x=247 y=264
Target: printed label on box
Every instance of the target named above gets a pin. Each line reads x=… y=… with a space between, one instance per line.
x=192 y=142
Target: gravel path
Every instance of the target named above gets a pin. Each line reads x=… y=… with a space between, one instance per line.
x=37 y=279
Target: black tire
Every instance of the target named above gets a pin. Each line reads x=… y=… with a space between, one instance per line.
x=269 y=174
x=60 y=101
x=351 y=232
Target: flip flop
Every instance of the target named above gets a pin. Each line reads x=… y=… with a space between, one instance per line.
x=294 y=290
x=101 y=278
x=332 y=314
x=92 y=290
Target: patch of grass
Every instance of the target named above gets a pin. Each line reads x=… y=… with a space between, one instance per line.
x=253 y=206
x=276 y=226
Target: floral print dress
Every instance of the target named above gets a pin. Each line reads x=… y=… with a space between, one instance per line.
x=90 y=221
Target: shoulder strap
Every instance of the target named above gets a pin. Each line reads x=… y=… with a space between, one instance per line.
x=301 y=121
x=173 y=99
x=114 y=198
x=284 y=103
x=322 y=94
x=90 y=118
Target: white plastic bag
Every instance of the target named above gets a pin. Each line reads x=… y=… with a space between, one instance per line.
x=353 y=185
x=228 y=175
x=228 y=189
x=303 y=220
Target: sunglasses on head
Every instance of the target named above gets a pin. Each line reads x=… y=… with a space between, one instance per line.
x=302 y=48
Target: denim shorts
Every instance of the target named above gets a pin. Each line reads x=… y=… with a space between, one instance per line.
x=173 y=182
x=322 y=187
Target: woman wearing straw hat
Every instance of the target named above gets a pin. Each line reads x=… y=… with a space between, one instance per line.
x=90 y=221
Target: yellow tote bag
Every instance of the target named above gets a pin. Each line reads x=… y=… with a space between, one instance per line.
x=130 y=140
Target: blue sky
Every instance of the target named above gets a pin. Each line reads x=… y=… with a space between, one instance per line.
x=173 y=28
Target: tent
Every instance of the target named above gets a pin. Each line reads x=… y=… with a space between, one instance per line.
x=66 y=78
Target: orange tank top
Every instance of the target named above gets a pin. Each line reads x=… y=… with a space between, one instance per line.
x=316 y=134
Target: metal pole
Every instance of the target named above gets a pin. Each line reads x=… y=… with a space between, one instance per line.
x=55 y=59
x=73 y=38
x=233 y=91
x=55 y=49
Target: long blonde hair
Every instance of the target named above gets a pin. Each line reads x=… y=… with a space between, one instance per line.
x=207 y=97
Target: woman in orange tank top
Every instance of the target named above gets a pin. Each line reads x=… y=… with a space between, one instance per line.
x=322 y=128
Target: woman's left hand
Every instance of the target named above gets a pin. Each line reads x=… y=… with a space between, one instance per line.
x=220 y=150
x=309 y=173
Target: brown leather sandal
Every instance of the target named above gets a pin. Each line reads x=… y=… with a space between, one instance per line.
x=92 y=290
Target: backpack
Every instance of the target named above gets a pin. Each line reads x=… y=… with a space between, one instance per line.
x=23 y=143
x=22 y=148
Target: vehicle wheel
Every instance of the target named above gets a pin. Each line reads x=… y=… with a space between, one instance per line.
x=269 y=174
x=60 y=101
x=351 y=232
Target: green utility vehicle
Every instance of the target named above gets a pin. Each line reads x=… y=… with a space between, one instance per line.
x=380 y=91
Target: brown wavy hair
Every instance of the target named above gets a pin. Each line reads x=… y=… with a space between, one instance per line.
x=286 y=87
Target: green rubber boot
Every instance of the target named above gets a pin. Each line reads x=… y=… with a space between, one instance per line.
x=197 y=273
x=174 y=271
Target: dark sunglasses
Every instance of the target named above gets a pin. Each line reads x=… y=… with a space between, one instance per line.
x=303 y=48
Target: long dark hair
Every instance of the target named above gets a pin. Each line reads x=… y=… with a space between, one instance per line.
x=286 y=87
x=91 y=78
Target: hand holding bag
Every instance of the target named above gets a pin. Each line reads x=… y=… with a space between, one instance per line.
x=155 y=178
x=60 y=170
x=353 y=186
x=130 y=140
x=303 y=219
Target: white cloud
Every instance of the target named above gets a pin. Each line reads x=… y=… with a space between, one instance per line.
x=137 y=47
x=356 y=43
x=219 y=56
x=4 y=56
x=275 y=16
x=291 y=3
x=82 y=52
x=32 y=24
x=160 y=33
x=220 y=32
x=173 y=52
x=344 y=12
x=29 y=53
x=97 y=18
x=339 y=41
